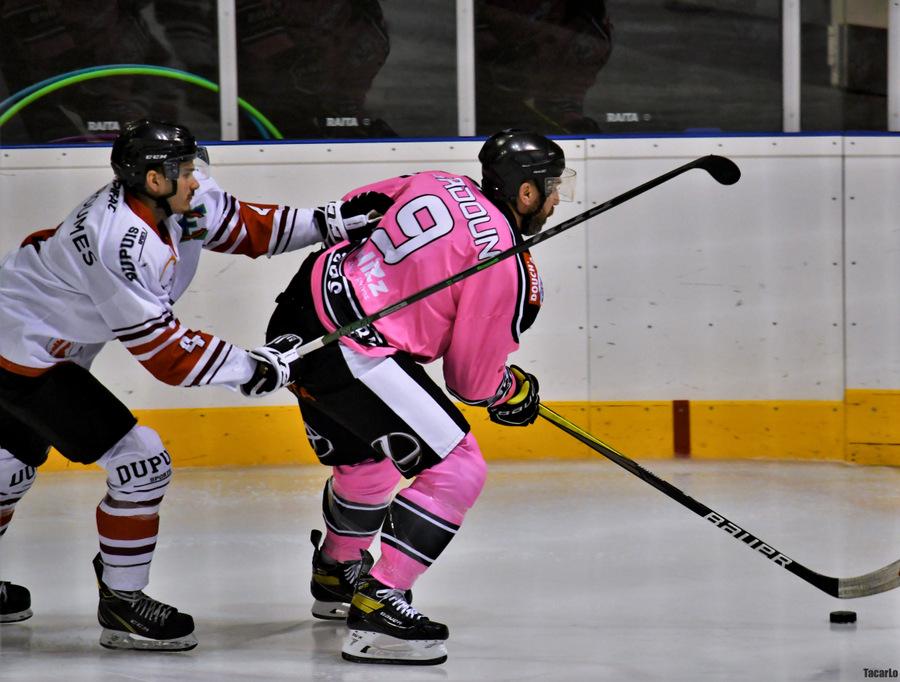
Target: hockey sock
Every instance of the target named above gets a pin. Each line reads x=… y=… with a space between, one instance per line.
x=138 y=472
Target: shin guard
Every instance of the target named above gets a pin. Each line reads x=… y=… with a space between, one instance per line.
x=139 y=470
x=16 y=479
x=354 y=503
x=425 y=517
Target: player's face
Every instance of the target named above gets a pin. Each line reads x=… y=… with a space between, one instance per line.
x=186 y=185
x=537 y=220
x=549 y=204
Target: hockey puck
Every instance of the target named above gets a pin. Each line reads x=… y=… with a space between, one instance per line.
x=842 y=617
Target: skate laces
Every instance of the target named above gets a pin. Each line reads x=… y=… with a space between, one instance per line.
x=146 y=607
x=352 y=570
x=154 y=610
x=397 y=599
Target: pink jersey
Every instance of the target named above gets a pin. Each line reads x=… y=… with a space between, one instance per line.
x=439 y=225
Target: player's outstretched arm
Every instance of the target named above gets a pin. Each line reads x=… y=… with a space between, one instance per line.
x=276 y=366
x=352 y=220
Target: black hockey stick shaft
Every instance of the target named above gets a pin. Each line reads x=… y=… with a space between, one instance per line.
x=882 y=580
x=722 y=169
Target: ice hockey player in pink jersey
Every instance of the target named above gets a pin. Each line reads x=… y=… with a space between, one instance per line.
x=113 y=269
x=370 y=410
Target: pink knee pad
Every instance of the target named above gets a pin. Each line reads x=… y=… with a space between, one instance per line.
x=450 y=488
x=370 y=482
x=354 y=506
x=443 y=493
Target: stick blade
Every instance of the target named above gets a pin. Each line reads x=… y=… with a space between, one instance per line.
x=722 y=169
x=882 y=580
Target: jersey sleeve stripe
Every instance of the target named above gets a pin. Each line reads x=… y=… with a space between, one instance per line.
x=221 y=363
x=213 y=346
x=232 y=208
x=235 y=239
x=282 y=224
x=520 y=302
x=503 y=389
x=150 y=353
x=148 y=331
x=175 y=364
x=155 y=343
x=209 y=363
x=166 y=317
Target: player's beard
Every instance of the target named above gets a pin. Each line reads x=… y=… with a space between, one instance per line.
x=534 y=223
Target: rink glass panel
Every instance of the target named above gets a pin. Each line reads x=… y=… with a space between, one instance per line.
x=42 y=40
x=844 y=65
x=323 y=69
x=629 y=67
x=319 y=69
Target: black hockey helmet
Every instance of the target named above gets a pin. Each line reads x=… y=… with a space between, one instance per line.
x=146 y=144
x=513 y=156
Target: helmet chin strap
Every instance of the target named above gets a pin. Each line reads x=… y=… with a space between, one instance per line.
x=162 y=201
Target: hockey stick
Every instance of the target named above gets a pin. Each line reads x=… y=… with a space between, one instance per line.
x=721 y=169
x=882 y=580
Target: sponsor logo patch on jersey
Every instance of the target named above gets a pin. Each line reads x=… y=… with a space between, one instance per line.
x=535 y=292
x=133 y=237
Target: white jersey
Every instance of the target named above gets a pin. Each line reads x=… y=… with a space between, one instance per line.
x=108 y=271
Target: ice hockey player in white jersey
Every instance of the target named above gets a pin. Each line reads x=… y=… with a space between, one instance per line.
x=113 y=269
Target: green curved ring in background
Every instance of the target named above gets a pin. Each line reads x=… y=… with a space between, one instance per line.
x=138 y=71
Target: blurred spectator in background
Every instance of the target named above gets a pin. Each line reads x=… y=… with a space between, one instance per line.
x=40 y=39
x=536 y=59
x=307 y=65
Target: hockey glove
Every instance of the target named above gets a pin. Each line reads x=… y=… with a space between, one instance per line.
x=522 y=408
x=275 y=366
x=351 y=220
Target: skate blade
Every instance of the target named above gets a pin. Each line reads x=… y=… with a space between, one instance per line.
x=16 y=617
x=330 y=610
x=362 y=646
x=116 y=639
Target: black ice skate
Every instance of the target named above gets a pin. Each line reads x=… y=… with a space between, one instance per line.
x=132 y=620
x=384 y=628
x=333 y=584
x=15 y=602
